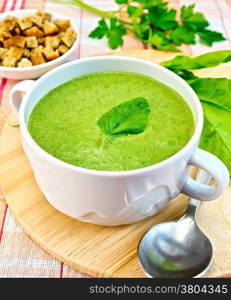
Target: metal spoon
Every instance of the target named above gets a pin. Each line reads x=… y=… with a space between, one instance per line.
x=178 y=248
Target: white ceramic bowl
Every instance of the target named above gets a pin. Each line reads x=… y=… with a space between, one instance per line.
x=36 y=71
x=108 y=197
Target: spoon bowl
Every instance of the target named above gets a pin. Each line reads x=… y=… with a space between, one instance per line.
x=175 y=249
x=178 y=248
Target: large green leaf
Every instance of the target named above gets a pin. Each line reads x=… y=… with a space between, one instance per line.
x=215 y=96
x=216 y=135
x=207 y=60
x=216 y=91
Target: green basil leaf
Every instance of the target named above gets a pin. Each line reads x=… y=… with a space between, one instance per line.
x=215 y=96
x=216 y=91
x=130 y=117
x=186 y=75
x=207 y=60
x=217 y=132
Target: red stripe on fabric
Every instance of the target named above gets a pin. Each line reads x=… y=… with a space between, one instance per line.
x=22 y=4
x=2 y=87
x=228 y=3
x=4 y=5
x=61 y=270
x=3 y=222
x=222 y=20
x=4 y=80
x=80 y=32
x=13 y=5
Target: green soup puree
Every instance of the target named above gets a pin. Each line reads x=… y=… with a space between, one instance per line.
x=64 y=122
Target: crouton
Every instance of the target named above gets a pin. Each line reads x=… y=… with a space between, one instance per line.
x=31 y=42
x=26 y=53
x=62 y=24
x=5 y=30
x=24 y=62
x=15 y=52
x=15 y=41
x=17 y=30
x=39 y=49
x=37 y=58
x=44 y=15
x=52 y=41
x=63 y=49
x=50 y=28
x=49 y=53
x=69 y=37
x=3 y=27
x=62 y=35
x=10 y=22
x=37 y=20
x=34 y=31
x=25 y=23
x=4 y=35
x=9 y=61
x=41 y=40
x=3 y=52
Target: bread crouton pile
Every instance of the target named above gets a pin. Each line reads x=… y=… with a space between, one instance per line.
x=34 y=40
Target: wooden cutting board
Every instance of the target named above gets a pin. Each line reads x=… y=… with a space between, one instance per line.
x=102 y=251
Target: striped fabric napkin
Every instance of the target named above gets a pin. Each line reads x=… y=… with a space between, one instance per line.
x=19 y=255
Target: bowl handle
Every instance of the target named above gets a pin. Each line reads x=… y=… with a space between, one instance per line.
x=18 y=91
x=216 y=169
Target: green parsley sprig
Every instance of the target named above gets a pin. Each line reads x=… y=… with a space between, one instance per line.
x=152 y=22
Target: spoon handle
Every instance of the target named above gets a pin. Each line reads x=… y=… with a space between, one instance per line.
x=202 y=177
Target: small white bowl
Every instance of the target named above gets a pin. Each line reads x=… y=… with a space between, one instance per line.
x=36 y=71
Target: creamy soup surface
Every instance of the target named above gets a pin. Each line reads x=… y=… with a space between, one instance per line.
x=64 y=122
